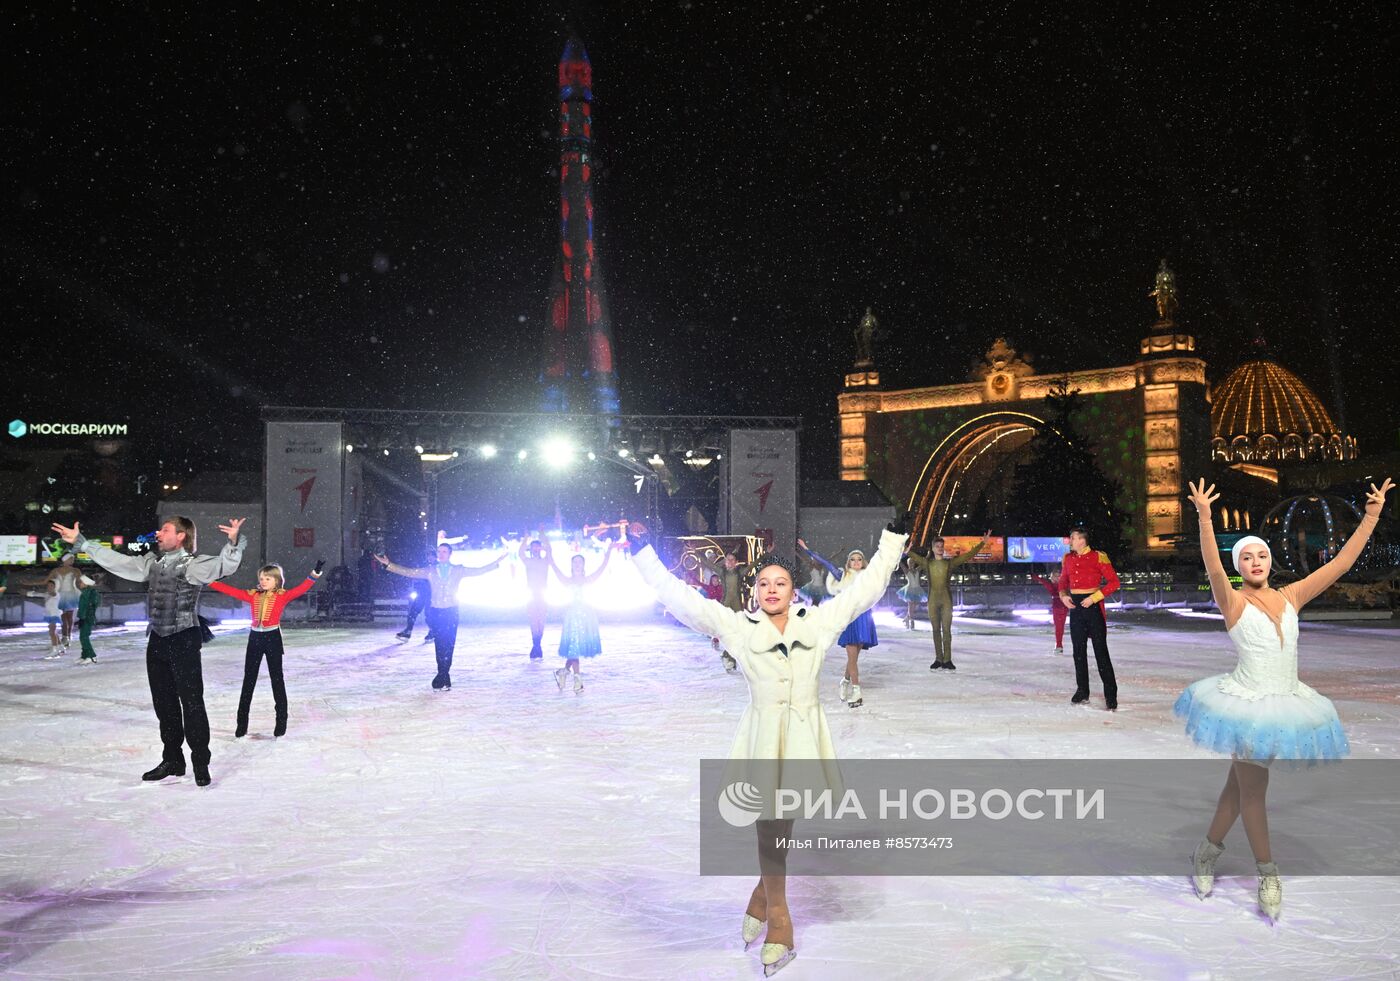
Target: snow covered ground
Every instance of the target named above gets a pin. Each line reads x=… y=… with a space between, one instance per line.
x=506 y=830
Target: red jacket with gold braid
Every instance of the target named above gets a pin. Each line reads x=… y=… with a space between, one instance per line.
x=1088 y=572
x=267 y=604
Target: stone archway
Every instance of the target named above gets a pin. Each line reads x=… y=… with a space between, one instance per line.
x=974 y=461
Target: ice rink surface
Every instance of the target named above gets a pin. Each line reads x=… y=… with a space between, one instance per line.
x=506 y=830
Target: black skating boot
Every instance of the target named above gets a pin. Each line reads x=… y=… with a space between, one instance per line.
x=165 y=769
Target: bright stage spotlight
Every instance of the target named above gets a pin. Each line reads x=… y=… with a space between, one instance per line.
x=623 y=452
x=558 y=452
x=522 y=454
x=487 y=451
x=418 y=448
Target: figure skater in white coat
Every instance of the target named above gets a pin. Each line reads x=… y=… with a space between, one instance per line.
x=780 y=651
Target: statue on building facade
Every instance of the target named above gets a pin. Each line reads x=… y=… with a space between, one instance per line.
x=865 y=339
x=1165 y=295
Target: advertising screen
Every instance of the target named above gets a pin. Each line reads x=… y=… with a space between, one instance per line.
x=1020 y=548
x=993 y=551
x=18 y=549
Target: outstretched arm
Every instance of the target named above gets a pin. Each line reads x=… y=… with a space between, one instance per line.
x=820 y=559
x=971 y=553
x=204 y=569
x=866 y=587
x=239 y=594
x=1229 y=602
x=709 y=617
x=1316 y=584
x=607 y=556
x=402 y=570
x=134 y=568
x=481 y=570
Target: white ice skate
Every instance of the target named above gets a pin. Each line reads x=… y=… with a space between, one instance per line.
x=560 y=676
x=1270 y=889
x=752 y=929
x=1203 y=867
x=1059 y=650
x=855 y=701
x=775 y=957
x=844 y=692
x=55 y=652
x=578 y=684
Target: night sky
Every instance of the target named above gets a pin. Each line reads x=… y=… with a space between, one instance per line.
x=204 y=213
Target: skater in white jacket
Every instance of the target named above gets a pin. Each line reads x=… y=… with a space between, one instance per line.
x=780 y=651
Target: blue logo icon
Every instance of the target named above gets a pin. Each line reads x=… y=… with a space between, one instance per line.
x=18 y=428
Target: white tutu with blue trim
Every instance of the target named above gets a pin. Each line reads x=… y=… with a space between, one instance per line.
x=579 y=635
x=1260 y=711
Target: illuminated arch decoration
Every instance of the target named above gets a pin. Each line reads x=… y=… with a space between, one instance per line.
x=1299 y=528
x=1150 y=421
x=947 y=466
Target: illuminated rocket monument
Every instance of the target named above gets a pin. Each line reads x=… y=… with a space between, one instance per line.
x=579 y=374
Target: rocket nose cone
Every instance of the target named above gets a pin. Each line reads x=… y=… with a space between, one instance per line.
x=574 y=51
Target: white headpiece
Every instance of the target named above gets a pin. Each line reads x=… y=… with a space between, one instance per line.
x=1247 y=540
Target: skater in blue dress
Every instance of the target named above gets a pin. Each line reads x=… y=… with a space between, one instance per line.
x=1260 y=712
x=579 y=635
x=860 y=633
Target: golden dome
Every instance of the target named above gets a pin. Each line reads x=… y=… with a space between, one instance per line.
x=1262 y=411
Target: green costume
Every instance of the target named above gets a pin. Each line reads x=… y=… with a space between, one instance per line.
x=88 y=602
x=940 y=598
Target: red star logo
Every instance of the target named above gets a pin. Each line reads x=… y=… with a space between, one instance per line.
x=305 y=488
x=762 y=493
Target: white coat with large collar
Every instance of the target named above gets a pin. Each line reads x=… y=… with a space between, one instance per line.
x=784 y=719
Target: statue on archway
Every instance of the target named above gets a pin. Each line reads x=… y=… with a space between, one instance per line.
x=865 y=339
x=1165 y=295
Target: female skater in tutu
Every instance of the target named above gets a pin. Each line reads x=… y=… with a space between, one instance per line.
x=913 y=592
x=579 y=635
x=860 y=632
x=1261 y=712
x=780 y=650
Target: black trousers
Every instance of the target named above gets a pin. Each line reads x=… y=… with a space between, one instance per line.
x=176 y=677
x=263 y=643
x=1086 y=624
x=443 y=621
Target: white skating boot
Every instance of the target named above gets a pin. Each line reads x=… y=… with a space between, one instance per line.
x=751 y=931
x=1270 y=889
x=855 y=701
x=560 y=677
x=578 y=684
x=844 y=692
x=55 y=652
x=1203 y=867
x=1059 y=650
x=775 y=957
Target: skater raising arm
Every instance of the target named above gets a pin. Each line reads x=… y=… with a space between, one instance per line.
x=865 y=586
x=584 y=580
x=202 y=569
x=1316 y=584
x=460 y=571
x=707 y=616
x=821 y=560
x=971 y=553
x=269 y=599
x=1227 y=600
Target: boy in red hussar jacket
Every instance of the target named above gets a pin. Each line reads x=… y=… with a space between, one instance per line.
x=1086 y=580
x=265 y=638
